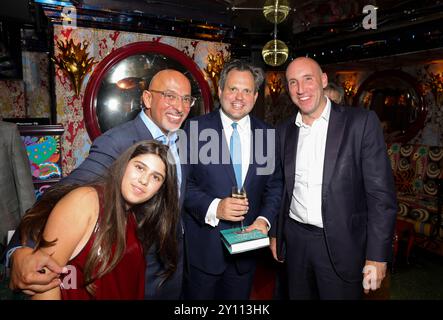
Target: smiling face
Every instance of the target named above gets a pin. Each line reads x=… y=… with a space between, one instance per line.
x=305 y=83
x=144 y=176
x=238 y=96
x=166 y=116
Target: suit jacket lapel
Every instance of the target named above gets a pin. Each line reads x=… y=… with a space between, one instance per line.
x=290 y=156
x=252 y=161
x=142 y=131
x=336 y=128
x=182 y=145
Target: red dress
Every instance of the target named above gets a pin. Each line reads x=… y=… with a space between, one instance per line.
x=125 y=282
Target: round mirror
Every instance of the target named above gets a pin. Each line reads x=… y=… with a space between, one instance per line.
x=114 y=90
x=395 y=97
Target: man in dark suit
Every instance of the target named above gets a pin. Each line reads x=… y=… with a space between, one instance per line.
x=339 y=204
x=16 y=188
x=214 y=273
x=167 y=104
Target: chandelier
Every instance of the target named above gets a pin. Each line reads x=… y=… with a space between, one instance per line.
x=275 y=52
x=276 y=11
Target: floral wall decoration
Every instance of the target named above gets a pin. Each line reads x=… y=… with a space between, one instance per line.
x=74 y=61
x=12 y=99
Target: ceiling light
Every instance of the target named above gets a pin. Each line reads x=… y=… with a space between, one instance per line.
x=275 y=52
x=276 y=11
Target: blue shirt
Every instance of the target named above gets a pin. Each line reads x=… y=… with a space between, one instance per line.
x=169 y=140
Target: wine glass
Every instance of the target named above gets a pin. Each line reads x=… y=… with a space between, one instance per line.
x=239 y=193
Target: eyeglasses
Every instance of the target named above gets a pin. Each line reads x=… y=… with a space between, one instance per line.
x=172 y=98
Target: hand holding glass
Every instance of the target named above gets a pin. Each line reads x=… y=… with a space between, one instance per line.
x=239 y=193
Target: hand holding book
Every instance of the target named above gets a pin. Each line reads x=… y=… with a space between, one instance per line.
x=260 y=225
x=237 y=242
x=252 y=237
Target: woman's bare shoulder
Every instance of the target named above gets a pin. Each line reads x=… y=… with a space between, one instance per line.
x=82 y=202
x=81 y=196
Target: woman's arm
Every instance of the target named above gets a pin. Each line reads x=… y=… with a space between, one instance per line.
x=71 y=223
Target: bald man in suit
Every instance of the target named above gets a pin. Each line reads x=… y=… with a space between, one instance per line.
x=336 y=225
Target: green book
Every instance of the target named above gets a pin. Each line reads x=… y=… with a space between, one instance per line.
x=237 y=242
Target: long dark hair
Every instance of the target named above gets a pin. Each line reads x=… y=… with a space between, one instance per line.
x=157 y=218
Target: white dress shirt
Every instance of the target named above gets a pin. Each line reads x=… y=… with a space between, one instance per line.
x=306 y=200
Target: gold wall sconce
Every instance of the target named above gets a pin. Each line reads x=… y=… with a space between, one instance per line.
x=73 y=60
x=275 y=86
x=214 y=67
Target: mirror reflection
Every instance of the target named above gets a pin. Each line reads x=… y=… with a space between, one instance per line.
x=119 y=96
x=397 y=103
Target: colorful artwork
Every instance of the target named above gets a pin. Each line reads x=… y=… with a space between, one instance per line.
x=44 y=156
x=40 y=190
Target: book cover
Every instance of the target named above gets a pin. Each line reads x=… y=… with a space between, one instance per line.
x=240 y=242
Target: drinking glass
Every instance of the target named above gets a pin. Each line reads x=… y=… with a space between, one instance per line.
x=239 y=193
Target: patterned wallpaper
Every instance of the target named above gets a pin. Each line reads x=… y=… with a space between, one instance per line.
x=28 y=97
x=76 y=142
x=12 y=99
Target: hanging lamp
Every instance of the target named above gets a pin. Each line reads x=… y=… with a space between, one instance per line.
x=275 y=52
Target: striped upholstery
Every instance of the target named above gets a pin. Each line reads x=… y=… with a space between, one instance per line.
x=417 y=169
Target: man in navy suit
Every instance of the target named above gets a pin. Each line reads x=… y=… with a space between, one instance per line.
x=336 y=225
x=209 y=207
x=167 y=104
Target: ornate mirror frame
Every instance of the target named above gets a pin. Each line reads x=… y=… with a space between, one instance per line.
x=90 y=101
x=399 y=105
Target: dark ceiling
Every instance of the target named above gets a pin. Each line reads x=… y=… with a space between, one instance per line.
x=331 y=31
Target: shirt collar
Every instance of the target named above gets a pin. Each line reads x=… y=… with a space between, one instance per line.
x=324 y=115
x=243 y=123
x=156 y=132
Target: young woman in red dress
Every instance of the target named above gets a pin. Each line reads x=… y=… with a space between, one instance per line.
x=100 y=230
